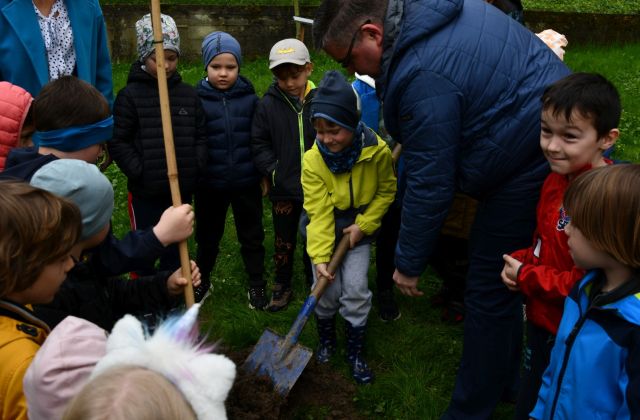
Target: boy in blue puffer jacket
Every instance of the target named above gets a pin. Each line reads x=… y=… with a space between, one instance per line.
x=229 y=101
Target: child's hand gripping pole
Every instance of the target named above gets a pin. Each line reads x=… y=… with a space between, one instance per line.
x=167 y=131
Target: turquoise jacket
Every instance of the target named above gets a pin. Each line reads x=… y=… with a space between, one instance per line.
x=23 y=58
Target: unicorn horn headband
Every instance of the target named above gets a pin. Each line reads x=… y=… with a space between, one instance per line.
x=173 y=351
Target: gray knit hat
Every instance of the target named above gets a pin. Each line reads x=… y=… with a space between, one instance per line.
x=84 y=185
x=144 y=35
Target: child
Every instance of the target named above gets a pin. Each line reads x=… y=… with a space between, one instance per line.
x=73 y=121
x=229 y=101
x=16 y=124
x=38 y=231
x=280 y=134
x=594 y=369
x=88 y=293
x=169 y=375
x=348 y=183
x=138 y=146
x=580 y=114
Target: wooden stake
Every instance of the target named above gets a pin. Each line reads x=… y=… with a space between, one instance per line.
x=169 y=148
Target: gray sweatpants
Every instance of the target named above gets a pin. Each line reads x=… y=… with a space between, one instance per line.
x=349 y=293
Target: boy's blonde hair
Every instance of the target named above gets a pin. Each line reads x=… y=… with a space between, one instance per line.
x=604 y=204
x=129 y=392
x=37 y=228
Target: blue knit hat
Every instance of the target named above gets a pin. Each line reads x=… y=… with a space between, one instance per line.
x=217 y=43
x=336 y=101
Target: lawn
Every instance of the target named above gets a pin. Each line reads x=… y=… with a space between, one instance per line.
x=581 y=6
x=414 y=358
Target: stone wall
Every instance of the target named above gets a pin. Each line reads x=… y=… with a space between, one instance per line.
x=257 y=28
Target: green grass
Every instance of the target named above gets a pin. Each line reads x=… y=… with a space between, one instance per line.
x=416 y=357
x=580 y=6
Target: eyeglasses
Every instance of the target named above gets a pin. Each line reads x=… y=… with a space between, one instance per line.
x=347 y=58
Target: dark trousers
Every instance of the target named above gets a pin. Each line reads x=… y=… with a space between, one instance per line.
x=386 y=248
x=211 y=216
x=145 y=213
x=286 y=220
x=492 y=342
x=537 y=354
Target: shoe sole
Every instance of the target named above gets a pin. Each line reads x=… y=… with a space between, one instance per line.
x=255 y=307
x=391 y=320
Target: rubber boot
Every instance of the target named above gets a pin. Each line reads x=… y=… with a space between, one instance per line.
x=327 y=336
x=355 y=345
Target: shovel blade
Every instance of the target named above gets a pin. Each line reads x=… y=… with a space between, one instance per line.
x=267 y=359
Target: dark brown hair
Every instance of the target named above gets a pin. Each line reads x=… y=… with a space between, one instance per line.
x=67 y=102
x=37 y=228
x=336 y=20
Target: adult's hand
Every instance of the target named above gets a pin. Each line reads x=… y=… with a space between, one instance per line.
x=408 y=285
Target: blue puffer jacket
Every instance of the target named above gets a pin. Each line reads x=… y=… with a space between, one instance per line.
x=594 y=372
x=461 y=83
x=229 y=115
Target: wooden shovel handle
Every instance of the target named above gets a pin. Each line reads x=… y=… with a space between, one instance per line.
x=336 y=260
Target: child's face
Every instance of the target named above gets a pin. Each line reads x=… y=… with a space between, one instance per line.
x=582 y=251
x=293 y=79
x=222 y=71
x=170 y=63
x=47 y=284
x=335 y=137
x=569 y=145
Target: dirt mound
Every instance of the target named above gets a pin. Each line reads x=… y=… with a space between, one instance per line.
x=320 y=387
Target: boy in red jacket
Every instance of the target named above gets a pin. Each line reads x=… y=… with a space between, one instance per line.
x=580 y=114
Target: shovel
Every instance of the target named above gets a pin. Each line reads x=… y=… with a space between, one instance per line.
x=280 y=358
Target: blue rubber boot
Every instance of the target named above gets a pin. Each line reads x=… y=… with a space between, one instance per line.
x=327 y=336
x=355 y=344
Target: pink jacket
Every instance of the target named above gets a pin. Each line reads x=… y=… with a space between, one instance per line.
x=14 y=107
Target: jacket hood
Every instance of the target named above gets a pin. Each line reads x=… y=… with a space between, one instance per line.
x=137 y=74
x=409 y=20
x=242 y=87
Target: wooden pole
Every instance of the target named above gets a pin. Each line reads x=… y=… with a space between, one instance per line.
x=299 y=28
x=167 y=131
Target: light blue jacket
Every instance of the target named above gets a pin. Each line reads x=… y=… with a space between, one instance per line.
x=594 y=372
x=23 y=57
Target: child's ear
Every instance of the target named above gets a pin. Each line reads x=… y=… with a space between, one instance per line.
x=309 y=68
x=609 y=139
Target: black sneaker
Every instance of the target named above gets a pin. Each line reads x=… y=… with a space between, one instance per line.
x=257 y=298
x=202 y=292
x=387 y=307
x=280 y=297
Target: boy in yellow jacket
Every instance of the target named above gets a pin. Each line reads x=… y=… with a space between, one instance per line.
x=38 y=231
x=348 y=184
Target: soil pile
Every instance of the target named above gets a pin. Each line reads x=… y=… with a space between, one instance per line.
x=319 y=386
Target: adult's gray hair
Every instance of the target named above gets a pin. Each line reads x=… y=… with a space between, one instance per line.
x=337 y=20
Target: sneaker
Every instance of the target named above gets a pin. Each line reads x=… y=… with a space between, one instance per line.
x=257 y=298
x=203 y=291
x=387 y=307
x=280 y=297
